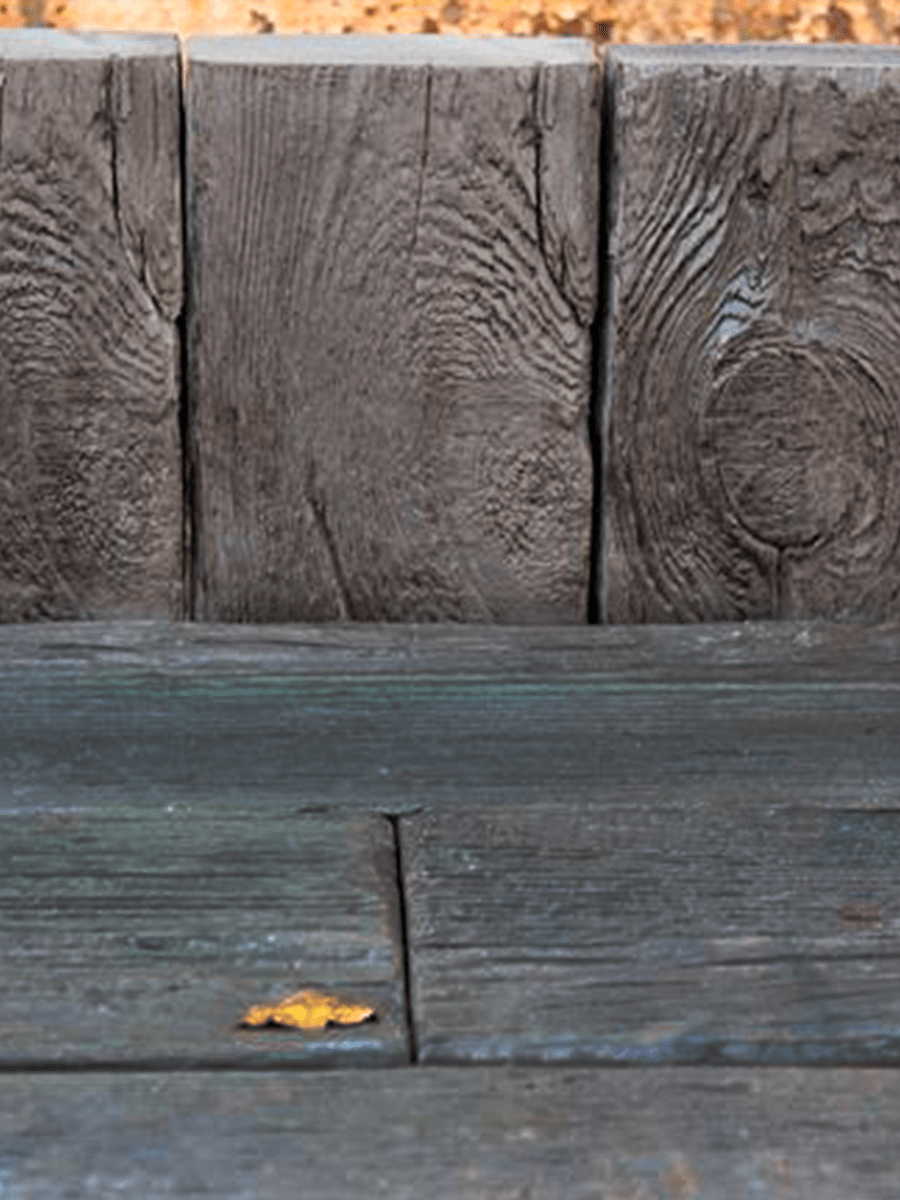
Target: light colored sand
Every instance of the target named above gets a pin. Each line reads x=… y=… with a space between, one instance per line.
x=870 y=21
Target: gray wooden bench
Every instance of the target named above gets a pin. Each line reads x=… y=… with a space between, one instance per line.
x=624 y=901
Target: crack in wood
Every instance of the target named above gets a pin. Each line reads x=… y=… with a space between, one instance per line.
x=423 y=157
x=394 y=822
x=317 y=508
x=602 y=359
x=559 y=273
x=112 y=133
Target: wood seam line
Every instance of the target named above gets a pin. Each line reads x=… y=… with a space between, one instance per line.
x=604 y=348
x=189 y=491
x=394 y=822
x=602 y=345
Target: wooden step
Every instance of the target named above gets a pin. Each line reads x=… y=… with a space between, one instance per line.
x=605 y=889
x=454 y=1133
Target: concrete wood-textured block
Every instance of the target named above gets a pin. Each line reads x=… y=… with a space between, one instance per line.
x=453 y=1134
x=392 y=286
x=751 y=418
x=90 y=293
x=139 y=935
x=720 y=931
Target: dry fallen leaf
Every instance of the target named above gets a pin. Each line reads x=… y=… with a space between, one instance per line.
x=309 y=1010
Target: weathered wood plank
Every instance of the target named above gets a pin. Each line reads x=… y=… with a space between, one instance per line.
x=682 y=1134
x=397 y=718
x=140 y=936
x=752 y=408
x=710 y=932
x=90 y=290
x=393 y=280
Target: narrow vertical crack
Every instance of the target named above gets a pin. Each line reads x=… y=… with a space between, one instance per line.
x=189 y=490
x=537 y=134
x=394 y=821
x=780 y=605
x=423 y=155
x=320 y=519
x=112 y=133
x=2 y=92
x=557 y=268
x=602 y=362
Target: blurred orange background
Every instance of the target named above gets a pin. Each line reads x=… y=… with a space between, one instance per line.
x=873 y=21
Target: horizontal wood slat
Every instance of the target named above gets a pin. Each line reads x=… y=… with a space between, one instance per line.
x=751 y=422
x=716 y=931
x=392 y=255
x=454 y=1134
x=395 y=719
x=139 y=936
x=90 y=294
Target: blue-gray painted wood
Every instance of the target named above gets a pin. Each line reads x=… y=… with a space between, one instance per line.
x=718 y=929
x=453 y=1134
x=139 y=935
x=396 y=718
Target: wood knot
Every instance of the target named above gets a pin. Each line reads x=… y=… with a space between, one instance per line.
x=795 y=433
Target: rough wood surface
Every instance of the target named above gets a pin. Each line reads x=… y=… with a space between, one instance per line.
x=665 y=931
x=139 y=936
x=90 y=290
x=393 y=279
x=752 y=411
x=397 y=718
x=680 y=1134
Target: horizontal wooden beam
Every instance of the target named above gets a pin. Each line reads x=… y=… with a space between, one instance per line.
x=397 y=718
x=451 y=1134
x=713 y=930
x=140 y=936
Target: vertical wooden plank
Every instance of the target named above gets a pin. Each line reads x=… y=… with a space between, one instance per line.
x=752 y=415
x=393 y=282
x=90 y=291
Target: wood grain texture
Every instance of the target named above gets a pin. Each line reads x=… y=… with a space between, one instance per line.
x=394 y=718
x=752 y=411
x=454 y=1134
x=90 y=291
x=665 y=932
x=393 y=280
x=139 y=936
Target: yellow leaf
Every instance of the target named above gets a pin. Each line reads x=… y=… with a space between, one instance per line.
x=309 y=1010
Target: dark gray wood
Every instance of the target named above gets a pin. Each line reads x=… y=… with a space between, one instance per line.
x=90 y=292
x=393 y=280
x=396 y=718
x=717 y=931
x=140 y=936
x=752 y=411
x=452 y=1134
